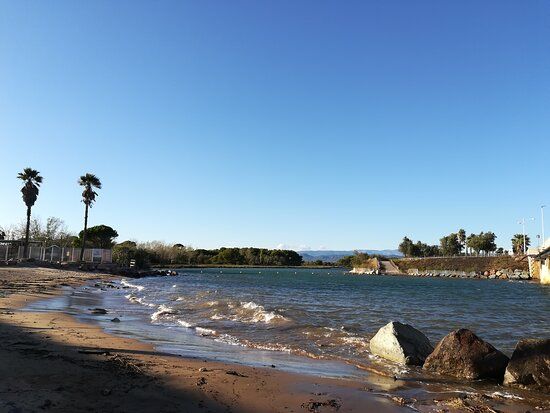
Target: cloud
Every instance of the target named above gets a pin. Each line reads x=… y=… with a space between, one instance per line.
x=293 y=247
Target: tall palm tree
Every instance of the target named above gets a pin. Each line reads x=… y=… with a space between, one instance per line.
x=89 y=182
x=32 y=180
x=517 y=243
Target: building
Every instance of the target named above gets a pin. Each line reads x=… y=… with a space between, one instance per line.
x=539 y=262
x=14 y=250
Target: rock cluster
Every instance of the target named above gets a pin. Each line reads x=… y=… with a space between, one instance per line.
x=463 y=354
x=364 y=271
x=500 y=274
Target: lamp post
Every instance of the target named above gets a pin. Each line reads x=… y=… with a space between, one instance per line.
x=542 y=222
x=522 y=222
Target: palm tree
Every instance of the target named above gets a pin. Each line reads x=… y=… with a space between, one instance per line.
x=89 y=182
x=32 y=180
x=517 y=243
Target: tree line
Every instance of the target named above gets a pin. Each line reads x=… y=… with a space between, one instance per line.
x=159 y=253
x=458 y=243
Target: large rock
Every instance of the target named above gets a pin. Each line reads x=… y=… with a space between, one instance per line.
x=530 y=365
x=463 y=354
x=401 y=343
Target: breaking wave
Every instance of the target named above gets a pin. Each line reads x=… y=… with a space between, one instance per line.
x=127 y=284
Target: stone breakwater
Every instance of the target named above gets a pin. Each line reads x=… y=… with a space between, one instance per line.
x=504 y=274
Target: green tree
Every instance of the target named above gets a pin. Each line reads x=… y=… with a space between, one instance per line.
x=425 y=250
x=99 y=236
x=89 y=182
x=126 y=251
x=30 y=190
x=407 y=247
x=488 y=243
x=345 y=261
x=450 y=245
x=517 y=243
x=484 y=241
x=461 y=235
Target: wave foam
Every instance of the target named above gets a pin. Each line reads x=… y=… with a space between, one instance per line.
x=134 y=299
x=259 y=315
x=205 y=331
x=185 y=324
x=162 y=311
x=127 y=284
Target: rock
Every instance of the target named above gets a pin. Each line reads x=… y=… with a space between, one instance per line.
x=530 y=365
x=463 y=354
x=401 y=343
x=116 y=320
x=99 y=311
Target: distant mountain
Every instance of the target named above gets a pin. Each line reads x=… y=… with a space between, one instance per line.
x=332 y=256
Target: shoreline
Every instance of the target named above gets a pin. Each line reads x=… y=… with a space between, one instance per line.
x=71 y=350
x=168 y=380
x=272 y=267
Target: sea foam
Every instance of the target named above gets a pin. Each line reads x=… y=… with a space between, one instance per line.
x=127 y=284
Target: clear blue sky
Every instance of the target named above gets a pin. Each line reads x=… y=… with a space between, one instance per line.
x=304 y=123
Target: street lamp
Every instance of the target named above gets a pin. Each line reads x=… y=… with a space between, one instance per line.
x=522 y=222
x=542 y=222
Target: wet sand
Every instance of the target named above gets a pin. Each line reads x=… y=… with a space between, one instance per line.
x=51 y=361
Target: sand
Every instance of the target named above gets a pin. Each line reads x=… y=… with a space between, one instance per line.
x=52 y=362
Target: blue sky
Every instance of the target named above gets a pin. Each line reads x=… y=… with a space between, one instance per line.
x=304 y=123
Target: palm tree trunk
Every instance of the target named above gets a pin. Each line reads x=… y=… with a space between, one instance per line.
x=84 y=233
x=27 y=230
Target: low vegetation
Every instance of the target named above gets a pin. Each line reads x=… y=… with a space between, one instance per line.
x=467 y=264
x=360 y=260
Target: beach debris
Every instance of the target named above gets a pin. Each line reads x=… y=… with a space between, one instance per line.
x=102 y=352
x=99 y=311
x=314 y=405
x=530 y=365
x=401 y=401
x=203 y=369
x=116 y=320
x=125 y=364
x=106 y=392
x=7 y=312
x=401 y=343
x=201 y=381
x=463 y=354
x=474 y=403
x=235 y=373
x=47 y=404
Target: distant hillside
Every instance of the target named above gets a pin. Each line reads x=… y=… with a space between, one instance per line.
x=332 y=256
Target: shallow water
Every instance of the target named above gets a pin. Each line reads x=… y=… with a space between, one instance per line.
x=273 y=316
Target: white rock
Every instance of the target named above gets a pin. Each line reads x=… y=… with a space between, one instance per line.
x=401 y=343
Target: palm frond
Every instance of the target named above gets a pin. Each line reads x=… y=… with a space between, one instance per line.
x=90 y=180
x=30 y=175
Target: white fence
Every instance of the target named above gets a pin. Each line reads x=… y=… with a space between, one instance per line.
x=54 y=253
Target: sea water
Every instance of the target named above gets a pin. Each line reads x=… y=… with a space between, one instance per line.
x=308 y=320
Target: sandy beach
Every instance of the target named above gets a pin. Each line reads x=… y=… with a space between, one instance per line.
x=51 y=361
